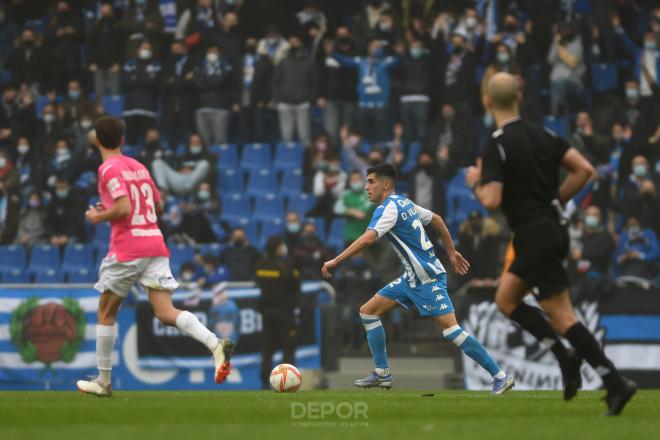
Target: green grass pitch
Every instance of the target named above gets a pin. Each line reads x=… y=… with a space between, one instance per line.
x=266 y=415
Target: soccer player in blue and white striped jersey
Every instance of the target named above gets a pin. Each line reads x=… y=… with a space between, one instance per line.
x=423 y=284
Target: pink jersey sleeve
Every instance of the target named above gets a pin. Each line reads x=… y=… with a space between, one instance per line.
x=112 y=183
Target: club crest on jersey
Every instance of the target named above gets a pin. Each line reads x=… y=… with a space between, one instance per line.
x=113 y=185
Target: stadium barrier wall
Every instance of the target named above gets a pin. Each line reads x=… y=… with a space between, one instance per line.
x=626 y=321
x=48 y=338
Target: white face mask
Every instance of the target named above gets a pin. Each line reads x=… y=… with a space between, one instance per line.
x=144 y=54
x=212 y=57
x=85 y=124
x=471 y=22
x=23 y=148
x=3 y=162
x=49 y=118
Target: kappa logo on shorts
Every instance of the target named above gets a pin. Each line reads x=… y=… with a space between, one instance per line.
x=435 y=289
x=439 y=297
x=444 y=307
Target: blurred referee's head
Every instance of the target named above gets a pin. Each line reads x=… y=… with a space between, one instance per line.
x=109 y=132
x=502 y=94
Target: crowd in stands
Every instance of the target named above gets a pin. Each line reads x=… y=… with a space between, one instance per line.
x=260 y=117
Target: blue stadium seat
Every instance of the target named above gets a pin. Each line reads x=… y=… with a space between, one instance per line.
x=15 y=276
x=41 y=102
x=335 y=239
x=230 y=180
x=292 y=182
x=412 y=154
x=101 y=235
x=227 y=155
x=181 y=253
x=235 y=207
x=268 y=207
x=268 y=229
x=83 y=276
x=288 y=155
x=256 y=156
x=604 y=77
x=49 y=276
x=301 y=203
x=44 y=258
x=261 y=182
x=78 y=256
x=114 y=105
x=12 y=257
x=211 y=248
x=557 y=124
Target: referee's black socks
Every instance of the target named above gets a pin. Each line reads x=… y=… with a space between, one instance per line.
x=531 y=319
x=588 y=348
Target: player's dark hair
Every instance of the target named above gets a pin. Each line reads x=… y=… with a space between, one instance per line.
x=273 y=243
x=384 y=170
x=109 y=131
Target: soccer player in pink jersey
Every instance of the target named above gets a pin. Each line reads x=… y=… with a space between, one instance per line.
x=131 y=203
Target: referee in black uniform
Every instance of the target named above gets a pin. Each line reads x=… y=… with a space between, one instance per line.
x=519 y=171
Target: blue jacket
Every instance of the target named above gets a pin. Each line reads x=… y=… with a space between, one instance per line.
x=635 y=53
x=646 y=244
x=373 y=78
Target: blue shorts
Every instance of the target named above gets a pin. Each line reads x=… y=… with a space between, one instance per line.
x=430 y=299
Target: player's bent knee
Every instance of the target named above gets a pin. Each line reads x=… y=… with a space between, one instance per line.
x=505 y=304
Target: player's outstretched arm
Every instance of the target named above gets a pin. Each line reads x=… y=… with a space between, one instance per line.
x=579 y=172
x=458 y=262
x=122 y=208
x=366 y=239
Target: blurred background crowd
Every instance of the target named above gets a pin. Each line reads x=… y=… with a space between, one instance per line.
x=260 y=117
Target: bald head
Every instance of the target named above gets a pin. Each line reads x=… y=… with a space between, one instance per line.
x=503 y=91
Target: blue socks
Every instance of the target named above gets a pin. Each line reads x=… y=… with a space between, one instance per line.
x=473 y=349
x=376 y=340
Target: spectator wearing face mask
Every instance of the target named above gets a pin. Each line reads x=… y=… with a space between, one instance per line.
x=197 y=213
x=640 y=173
x=105 y=53
x=177 y=111
x=76 y=104
x=294 y=87
x=256 y=93
x=48 y=129
x=64 y=216
x=140 y=82
x=193 y=168
x=9 y=175
x=310 y=253
x=279 y=283
x=479 y=239
x=641 y=113
x=292 y=229
x=415 y=91
x=354 y=204
x=637 y=253
x=63 y=163
x=190 y=278
x=63 y=37
x=328 y=186
x=451 y=138
x=645 y=206
x=567 y=68
x=273 y=45
x=593 y=254
x=502 y=62
x=240 y=257
x=588 y=141
x=212 y=272
x=316 y=156
x=28 y=166
x=373 y=88
x=32 y=223
x=368 y=20
x=153 y=149
x=141 y=21
x=354 y=150
x=197 y=26
x=10 y=207
x=214 y=81
x=229 y=38
x=337 y=84
x=27 y=60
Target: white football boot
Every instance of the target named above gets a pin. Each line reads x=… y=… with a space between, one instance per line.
x=94 y=388
x=221 y=358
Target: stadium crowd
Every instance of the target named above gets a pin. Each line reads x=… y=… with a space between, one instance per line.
x=260 y=117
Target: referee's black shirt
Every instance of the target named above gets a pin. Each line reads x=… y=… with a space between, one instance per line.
x=526 y=158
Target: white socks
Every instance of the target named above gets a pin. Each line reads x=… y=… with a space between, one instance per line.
x=105 y=342
x=189 y=325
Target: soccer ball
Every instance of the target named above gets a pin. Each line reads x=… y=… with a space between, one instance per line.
x=285 y=378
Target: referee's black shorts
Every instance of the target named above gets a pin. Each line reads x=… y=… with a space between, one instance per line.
x=541 y=246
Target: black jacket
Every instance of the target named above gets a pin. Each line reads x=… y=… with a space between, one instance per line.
x=337 y=83
x=262 y=83
x=105 y=45
x=240 y=261
x=215 y=86
x=26 y=65
x=140 y=80
x=279 y=282
x=416 y=76
x=178 y=91
x=65 y=217
x=294 y=81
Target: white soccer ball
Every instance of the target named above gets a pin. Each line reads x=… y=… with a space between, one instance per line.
x=285 y=378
